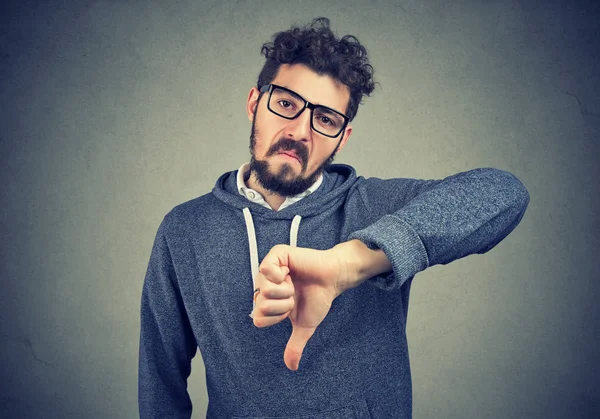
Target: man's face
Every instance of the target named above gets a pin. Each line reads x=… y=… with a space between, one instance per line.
x=287 y=155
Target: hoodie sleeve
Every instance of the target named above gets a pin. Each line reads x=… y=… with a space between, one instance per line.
x=167 y=344
x=432 y=222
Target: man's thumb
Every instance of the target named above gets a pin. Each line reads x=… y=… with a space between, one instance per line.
x=295 y=346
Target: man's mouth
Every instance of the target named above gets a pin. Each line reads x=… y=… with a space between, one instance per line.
x=290 y=154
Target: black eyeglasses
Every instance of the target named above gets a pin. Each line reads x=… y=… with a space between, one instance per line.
x=289 y=105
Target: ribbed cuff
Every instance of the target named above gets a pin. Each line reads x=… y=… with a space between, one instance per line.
x=402 y=246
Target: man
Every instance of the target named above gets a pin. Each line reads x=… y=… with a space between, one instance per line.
x=321 y=259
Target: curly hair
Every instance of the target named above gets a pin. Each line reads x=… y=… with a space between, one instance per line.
x=316 y=46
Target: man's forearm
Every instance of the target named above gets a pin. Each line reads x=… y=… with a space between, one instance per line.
x=359 y=263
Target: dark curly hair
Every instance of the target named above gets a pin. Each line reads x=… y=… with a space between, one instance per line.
x=319 y=49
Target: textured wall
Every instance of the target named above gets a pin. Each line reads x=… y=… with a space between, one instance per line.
x=113 y=112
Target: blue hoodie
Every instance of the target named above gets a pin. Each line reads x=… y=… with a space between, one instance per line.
x=197 y=292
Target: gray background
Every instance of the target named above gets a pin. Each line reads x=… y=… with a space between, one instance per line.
x=113 y=112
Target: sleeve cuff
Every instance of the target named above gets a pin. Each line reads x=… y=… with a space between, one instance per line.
x=401 y=244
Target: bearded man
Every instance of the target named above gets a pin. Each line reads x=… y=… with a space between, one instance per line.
x=293 y=275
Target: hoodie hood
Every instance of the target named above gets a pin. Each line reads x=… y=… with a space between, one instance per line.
x=337 y=179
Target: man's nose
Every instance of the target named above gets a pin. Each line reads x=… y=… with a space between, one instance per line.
x=299 y=128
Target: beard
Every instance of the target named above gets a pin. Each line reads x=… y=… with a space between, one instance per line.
x=283 y=182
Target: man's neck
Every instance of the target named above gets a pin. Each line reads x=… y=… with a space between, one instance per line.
x=270 y=198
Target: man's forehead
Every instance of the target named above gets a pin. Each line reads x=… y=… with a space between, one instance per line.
x=314 y=87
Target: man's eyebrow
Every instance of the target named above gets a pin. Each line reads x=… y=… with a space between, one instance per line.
x=291 y=92
x=328 y=109
x=297 y=95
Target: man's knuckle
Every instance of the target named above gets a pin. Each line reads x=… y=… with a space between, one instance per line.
x=261 y=321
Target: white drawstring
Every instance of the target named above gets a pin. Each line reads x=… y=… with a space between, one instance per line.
x=254 y=248
x=252 y=244
x=294 y=230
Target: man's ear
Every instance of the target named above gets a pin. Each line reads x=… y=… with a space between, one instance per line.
x=252 y=103
x=346 y=135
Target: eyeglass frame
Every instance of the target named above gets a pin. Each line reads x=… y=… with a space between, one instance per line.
x=270 y=87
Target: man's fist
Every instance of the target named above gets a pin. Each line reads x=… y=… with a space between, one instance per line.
x=298 y=283
x=302 y=283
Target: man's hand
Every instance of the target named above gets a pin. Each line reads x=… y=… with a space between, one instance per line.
x=301 y=284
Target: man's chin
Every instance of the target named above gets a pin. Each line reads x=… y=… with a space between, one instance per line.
x=281 y=178
x=287 y=176
x=285 y=170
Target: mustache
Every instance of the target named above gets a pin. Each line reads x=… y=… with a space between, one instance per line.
x=286 y=144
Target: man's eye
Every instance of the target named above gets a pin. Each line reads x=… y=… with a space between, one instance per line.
x=326 y=120
x=286 y=104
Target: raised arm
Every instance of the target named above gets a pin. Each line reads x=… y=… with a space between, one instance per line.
x=443 y=220
x=423 y=223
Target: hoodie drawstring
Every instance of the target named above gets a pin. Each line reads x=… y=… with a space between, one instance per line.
x=254 y=248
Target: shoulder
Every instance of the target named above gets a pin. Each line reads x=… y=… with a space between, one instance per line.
x=189 y=213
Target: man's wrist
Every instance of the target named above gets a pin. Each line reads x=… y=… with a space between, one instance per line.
x=358 y=263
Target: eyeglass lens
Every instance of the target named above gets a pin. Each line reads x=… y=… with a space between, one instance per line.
x=288 y=105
